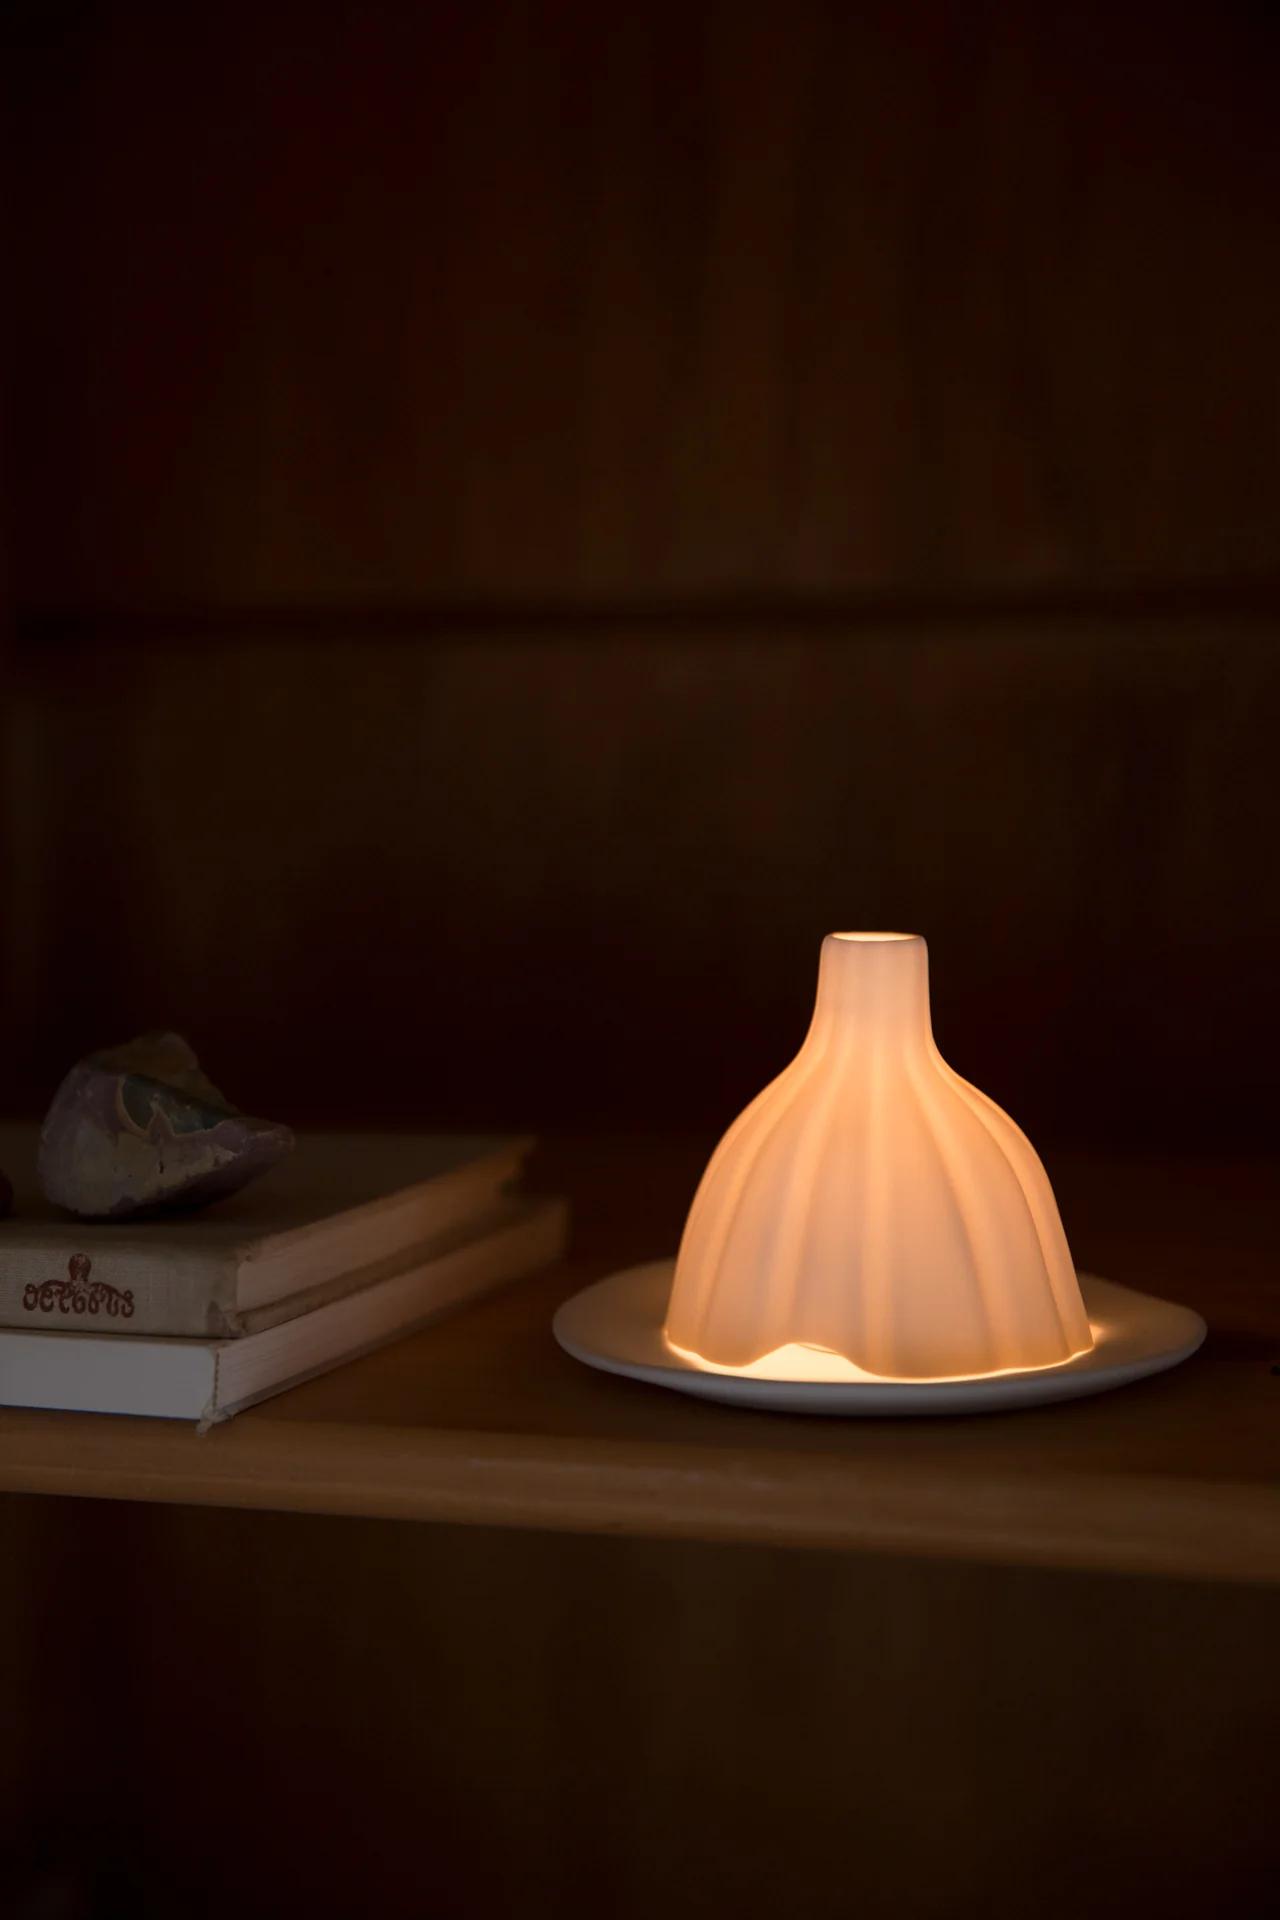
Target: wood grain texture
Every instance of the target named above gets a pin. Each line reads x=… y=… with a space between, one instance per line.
x=59 y=1633
x=409 y=1721
x=392 y=304
x=481 y=1419
x=804 y=307
x=536 y=877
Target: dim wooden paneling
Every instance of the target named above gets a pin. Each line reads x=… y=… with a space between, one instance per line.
x=554 y=302
x=539 y=879
x=340 y=1717
x=60 y=1743
x=388 y=303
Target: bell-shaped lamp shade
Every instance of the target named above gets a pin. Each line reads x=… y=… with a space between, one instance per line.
x=871 y=1213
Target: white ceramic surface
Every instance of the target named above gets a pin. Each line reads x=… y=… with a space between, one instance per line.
x=872 y=1203
x=617 y=1326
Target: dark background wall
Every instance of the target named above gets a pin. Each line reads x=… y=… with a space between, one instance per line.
x=518 y=519
x=523 y=517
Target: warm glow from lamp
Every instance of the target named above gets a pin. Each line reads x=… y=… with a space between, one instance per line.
x=872 y=1216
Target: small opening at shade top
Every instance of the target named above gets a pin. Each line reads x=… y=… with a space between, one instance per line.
x=870 y=937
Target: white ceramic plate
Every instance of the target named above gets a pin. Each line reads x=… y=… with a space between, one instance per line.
x=616 y=1325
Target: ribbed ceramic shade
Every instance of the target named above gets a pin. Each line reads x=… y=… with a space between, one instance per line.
x=872 y=1205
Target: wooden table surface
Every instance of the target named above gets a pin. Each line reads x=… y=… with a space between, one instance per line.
x=481 y=1419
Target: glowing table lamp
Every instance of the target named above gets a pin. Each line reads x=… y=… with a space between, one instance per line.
x=873 y=1234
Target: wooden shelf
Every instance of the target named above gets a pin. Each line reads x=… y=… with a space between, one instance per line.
x=481 y=1419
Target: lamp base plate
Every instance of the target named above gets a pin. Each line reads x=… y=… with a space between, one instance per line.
x=616 y=1326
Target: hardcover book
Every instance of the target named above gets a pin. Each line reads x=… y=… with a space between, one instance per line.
x=209 y=1380
x=341 y=1212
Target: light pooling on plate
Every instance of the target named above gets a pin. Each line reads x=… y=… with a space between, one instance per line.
x=819 y=1366
x=872 y=1216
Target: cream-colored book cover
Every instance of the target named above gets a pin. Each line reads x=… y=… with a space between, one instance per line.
x=340 y=1206
x=209 y=1380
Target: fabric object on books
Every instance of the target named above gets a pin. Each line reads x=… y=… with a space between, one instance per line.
x=139 y=1128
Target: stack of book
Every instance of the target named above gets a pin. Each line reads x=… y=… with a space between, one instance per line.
x=350 y=1243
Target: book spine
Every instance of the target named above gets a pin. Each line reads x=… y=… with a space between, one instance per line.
x=70 y=1289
